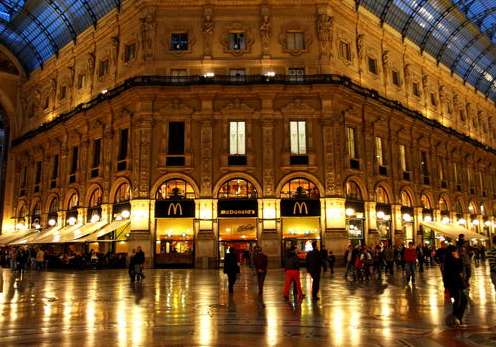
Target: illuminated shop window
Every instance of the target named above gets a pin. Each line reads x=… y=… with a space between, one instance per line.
x=300 y=188
x=175 y=189
x=297 y=137
x=237 y=188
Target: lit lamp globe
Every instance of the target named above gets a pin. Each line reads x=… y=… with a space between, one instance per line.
x=380 y=214
x=462 y=221
x=407 y=217
x=487 y=223
x=475 y=222
x=20 y=226
x=349 y=212
x=445 y=220
x=387 y=217
x=125 y=214
x=95 y=218
x=428 y=219
x=71 y=220
x=52 y=222
x=37 y=226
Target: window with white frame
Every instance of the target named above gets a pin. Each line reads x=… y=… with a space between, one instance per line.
x=295 y=40
x=379 y=150
x=237 y=138
x=298 y=138
x=403 y=158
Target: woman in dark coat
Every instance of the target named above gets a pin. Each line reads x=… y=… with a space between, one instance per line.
x=231 y=267
x=455 y=284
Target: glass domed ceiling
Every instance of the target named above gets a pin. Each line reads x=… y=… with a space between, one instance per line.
x=458 y=33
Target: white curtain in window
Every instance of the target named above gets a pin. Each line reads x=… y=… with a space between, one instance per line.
x=241 y=138
x=302 y=138
x=378 y=151
x=293 y=137
x=233 y=137
x=402 y=158
x=351 y=143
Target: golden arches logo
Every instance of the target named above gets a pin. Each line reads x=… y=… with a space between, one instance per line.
x=300 y=206
x=174 y=207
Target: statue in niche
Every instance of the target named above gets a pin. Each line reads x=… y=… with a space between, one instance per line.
x=265 y=32
x=325 y=26
x=208 y=27
x=147 y=32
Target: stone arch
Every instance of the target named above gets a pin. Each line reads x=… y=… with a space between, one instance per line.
x=459 y=200
x=68 y=196
x=171 y=176
x=13 y=60
x=298 y=174
x=35 y=201
x=474 y=204
x=94 y=187
x=241 y=175
x=360 y=183
x=411 y=193
x=116 y=185
x=48 y=202
x=389 y=192
x=429 y=196
x=446 y=199
x=21 y=203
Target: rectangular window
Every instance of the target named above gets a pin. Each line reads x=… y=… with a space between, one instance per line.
x=37 y=178
x=469 y=177
x=351 y=143
x=237 y=41
x=379 y=150
x=178 y=75
x=297 y=137
x=404 y=167
x=345 y=50
x=123 y=144
x=416 y=89
x=176 y=138
x=433 y=99
x=81 y=81
x=296 y=74
x=23 y=181
x=372 y=65
x=62 y=92
x=423 y=164
x=46 y=103
x=237 y=138
x=441 y=170
x=455 y=173
x=74 y=159
x=129 y=52
x=396 y=78
x=55 y=167
x=295 y=40
x=103 y=67
x=481 y=182
x=97 y=150
x=179 y=42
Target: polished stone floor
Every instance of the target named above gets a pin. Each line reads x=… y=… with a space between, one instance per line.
x=192 y=308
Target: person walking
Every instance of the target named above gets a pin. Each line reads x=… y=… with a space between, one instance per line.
x=231 y=268
x=389 y=259
x=332 y=261
x=491 y=256
x=260 y=263
x=410 y=260
x=466 y=254
x=314 y=268
x=456 y=284
x=420 y=257
x=441 y=253
x=139 y=261
x=292 y=273
x=350 y=256
x=40 y=259
x=324 y=256
x=132 y=263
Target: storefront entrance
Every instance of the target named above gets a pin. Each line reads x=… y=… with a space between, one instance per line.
x=174 y=229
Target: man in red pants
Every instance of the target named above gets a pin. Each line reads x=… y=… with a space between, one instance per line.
x=292 y=274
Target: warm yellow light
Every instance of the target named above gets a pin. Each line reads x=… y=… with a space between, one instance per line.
x=125 y=214
x=475 y=222
x=407 y=217
x=427 y=219
x=52 y=222
x=380 y=214
x=71 y=220
x=462 y=221
x=209 y=74
x=350 y=212
x=445 y=220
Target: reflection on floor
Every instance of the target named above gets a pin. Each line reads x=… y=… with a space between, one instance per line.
x=192 y=308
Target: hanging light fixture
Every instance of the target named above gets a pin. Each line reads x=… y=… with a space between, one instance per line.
x=52 y=222
x=380 y=214
x=350 y=212
x=407 y=217
x=71 y=220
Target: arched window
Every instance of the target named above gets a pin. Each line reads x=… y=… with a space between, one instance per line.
x=483 y=210
x=37 y=209
x=406 y=200
x=353 y=191
x=54 y=206
x=426 y=203
x=123 y=193
x=73 y=201
x=96 y=198
x=175 y=189
x=300 y=188
x=443 y=206
x=381 y=196
x=471 y=208
x=237 y=188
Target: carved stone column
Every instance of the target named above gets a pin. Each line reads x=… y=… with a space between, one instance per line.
x=206 y=158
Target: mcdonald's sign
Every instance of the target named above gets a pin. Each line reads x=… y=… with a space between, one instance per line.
x=300 y=207
x=184 y=208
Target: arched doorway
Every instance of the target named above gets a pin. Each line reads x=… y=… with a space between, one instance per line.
x=72 y=209
x=121 y=209
x=95 y=206
x=383 y=215
x=428 y=234
x=237 y=212
x=407 y=216
x=174 y=224
x=53 y=212
x=300 y=215
x=355 y=213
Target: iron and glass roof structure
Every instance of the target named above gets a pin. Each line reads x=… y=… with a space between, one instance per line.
x=35 y=30
x=460 y=34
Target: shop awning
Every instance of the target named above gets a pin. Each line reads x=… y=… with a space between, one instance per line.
x=64 y=234
x=31 y=238
x=118 y=226
x=453 y=231
x=10 y=237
